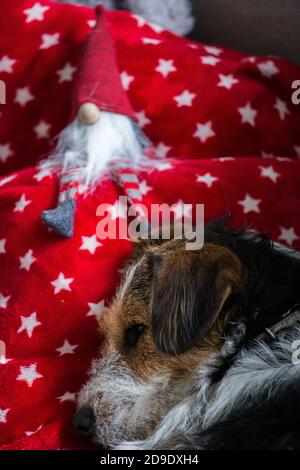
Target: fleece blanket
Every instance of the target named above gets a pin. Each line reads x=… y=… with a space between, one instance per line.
x=226 y=134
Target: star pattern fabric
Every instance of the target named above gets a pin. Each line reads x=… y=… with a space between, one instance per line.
x=6 y=64
x=90 y=244
x=177 y=86
x=224 y=136
x=36 y=12
x=96 y=309
x=28 y=324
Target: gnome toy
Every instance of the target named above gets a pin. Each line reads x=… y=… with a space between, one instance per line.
x=102 y=137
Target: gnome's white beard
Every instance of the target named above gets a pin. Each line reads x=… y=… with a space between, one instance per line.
x=88 y=151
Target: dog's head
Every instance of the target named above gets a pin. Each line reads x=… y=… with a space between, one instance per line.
x=168 y=317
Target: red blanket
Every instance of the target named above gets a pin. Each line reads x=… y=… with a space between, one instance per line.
x=226 y=117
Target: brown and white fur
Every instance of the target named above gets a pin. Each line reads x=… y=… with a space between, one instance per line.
x=181 y=363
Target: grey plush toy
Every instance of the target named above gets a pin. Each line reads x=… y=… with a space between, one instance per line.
x=175 y=15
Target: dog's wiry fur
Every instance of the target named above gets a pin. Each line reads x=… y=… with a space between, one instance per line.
x=183 y=366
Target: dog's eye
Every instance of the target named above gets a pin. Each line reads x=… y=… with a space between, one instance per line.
x=132 y=335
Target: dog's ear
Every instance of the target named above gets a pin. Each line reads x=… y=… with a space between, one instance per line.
x=189 y=292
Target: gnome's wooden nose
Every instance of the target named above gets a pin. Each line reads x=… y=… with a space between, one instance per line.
x=89 y=113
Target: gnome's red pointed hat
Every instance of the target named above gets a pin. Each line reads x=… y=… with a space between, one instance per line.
x=102 y=135
x=98 y=78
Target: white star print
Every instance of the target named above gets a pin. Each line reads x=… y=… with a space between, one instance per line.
x=288 y=235
x=67 y=348
x=7 y=180
x=92 y=23
x=2 y=246
x=207 y=179
x=268 y=69
x=27 y=260
x=224 y=159
x=67 y=396
x=31 y=433
x=181 y=210
x=66 y=73
x=42 y=173
x=282 y=108
x=213 y=50
x=28 y=324
x=151 y=41
x=227 y=81
x=117 y=210
x=126 y=80
x=35 y=13
x=269 y=172
x=3 y=414
x=250 y=59
x=4 y=360
x=144 y=188
x=96 y=310
x=49 y=40
x=6 y=64
x=210 y=60
x=185 y=99
x=250 y=204
x=163 y=166
x=90 y=244
x=162 y=150
x=23 y=96
x=267 y=155
x=21 y=204
x=29 y=374
x=42 y=130
x=165 y=67
x=204 y=131
x=140 y=20
x=5 y=152
x=4 y=300
x=158 y=29
x=62 y=283
x=142 y=119
x=297 y=150
x=248 y=114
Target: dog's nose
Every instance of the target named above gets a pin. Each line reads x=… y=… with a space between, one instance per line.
x=83 y=421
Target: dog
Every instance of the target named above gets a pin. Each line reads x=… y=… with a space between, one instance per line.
x=198 y=350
